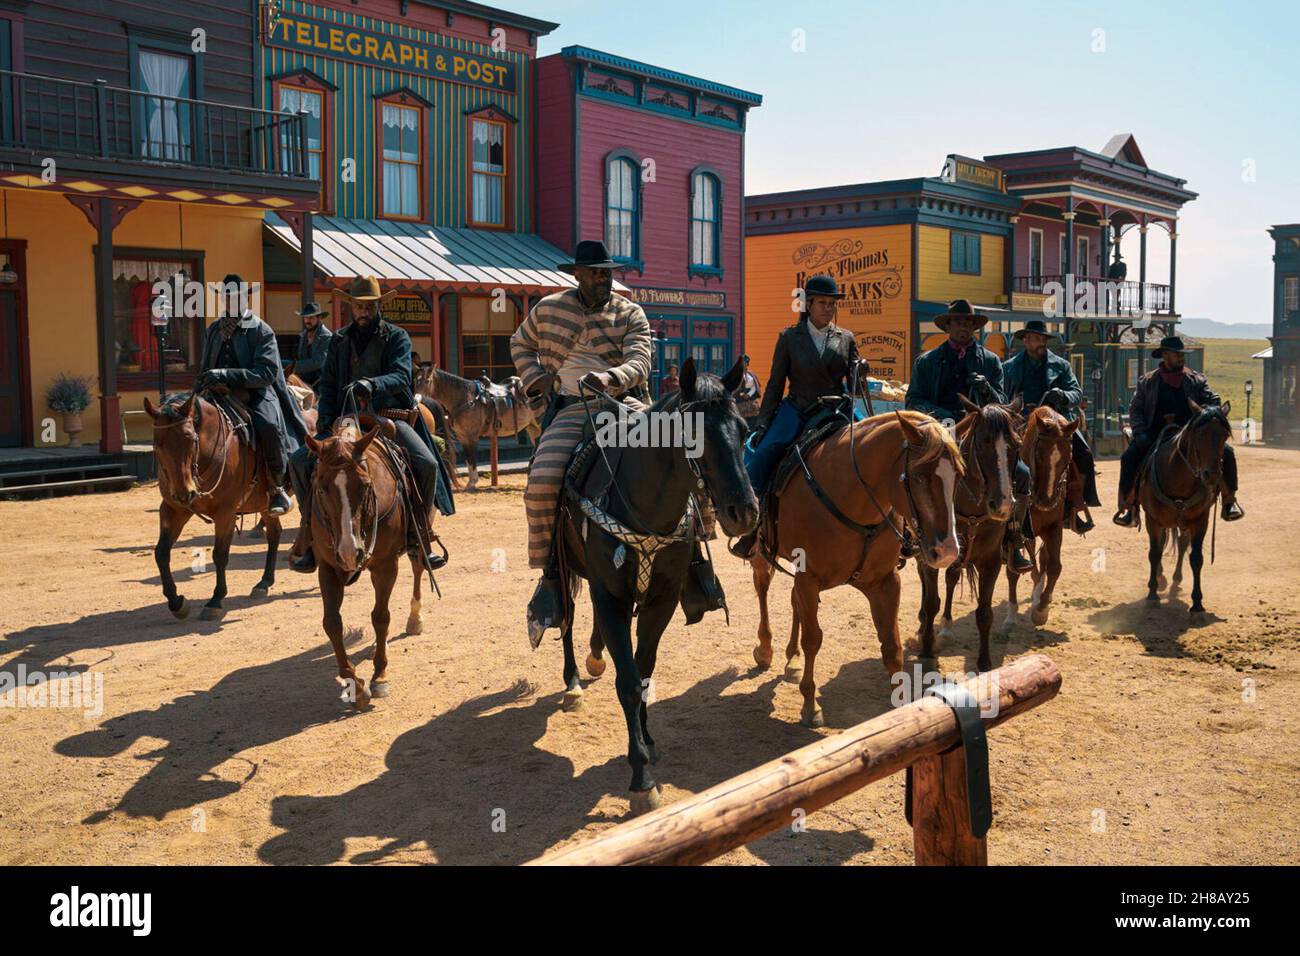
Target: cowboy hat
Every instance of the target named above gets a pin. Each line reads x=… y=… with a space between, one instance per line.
x=1034 y=325
x=591 y=254
x=1171 y=342
x=823 y=285
x=366 y=289
x=960 y=309
x=312 y=309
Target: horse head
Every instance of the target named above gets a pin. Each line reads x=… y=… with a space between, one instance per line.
x=991 y=446
x=176 y=446
x=1205 y=435
x=932 y=467
x=719 y=456
x=342 y=493
x=1046 y=450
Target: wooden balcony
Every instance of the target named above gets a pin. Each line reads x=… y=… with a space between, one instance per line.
x=1093 y=297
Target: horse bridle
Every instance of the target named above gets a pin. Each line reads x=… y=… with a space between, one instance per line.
x=227 y=432
x=1185 y=433
x=367 y=498
x=1058 y=492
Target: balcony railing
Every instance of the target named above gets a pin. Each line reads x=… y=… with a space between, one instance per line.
x=1090 y=295
x=56 y=116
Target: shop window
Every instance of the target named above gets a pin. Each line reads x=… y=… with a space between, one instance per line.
x=164 y=118
x=1081 y=263
x=1290 y=294
x=1035 y=258
x=1286 y=391
x=488 y=186
x=622 y=208
x=964 y=252
x=706 y=223
x=134 y=276
x=485 y=338
x=402 y=138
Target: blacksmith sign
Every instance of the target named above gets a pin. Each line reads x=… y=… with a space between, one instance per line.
x=388 y=51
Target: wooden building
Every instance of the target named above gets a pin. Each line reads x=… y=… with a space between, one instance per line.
x=131 y=152
x=1282 y=357
x=652 y=162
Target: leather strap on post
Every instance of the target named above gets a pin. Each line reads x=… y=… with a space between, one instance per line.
x=979 y=798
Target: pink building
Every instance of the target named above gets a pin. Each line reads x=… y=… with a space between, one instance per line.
x=652 y=162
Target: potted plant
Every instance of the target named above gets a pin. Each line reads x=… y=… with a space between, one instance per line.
x=70 y=394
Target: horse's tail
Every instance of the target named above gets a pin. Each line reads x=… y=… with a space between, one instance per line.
x=442 y=428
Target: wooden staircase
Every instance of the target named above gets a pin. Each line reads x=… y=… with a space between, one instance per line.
x=46 y=476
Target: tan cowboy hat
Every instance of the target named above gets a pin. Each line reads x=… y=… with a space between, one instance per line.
x=366 y=289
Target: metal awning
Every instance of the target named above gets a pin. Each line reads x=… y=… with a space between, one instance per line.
x=413 y=256
x=1266 y=354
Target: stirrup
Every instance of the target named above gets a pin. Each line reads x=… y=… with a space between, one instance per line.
x=1125 y=517
x=1232 y=511
x=745 y=546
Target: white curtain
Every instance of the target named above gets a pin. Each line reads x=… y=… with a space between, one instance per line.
x=165 y=134
x=488 y=196
x=401 y=162
x=703 y=222
x=297 y=101
x=620 y=202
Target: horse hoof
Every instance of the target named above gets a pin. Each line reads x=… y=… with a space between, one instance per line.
x=1039 y=617
x=260 y=592
x=813 y=718
x=378 y=688
x=793 y=669
x=413 y=626
x=762 y=658
x=572 y=700
x=595 y=665
x=1153 y=600
x=181 y=612
x=1197 y=617
x=210 y=613
x=643 y=801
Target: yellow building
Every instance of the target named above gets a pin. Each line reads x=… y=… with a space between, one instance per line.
x=900 y=250
x=112 y=191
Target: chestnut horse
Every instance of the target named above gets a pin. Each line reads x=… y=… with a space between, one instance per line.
x=358 y=523
x=1046 y=450
x=892 y=479
x=205 y=469
x=1179 y=489
x=985 y=502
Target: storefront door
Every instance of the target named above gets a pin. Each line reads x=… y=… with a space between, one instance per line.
x=12 y=327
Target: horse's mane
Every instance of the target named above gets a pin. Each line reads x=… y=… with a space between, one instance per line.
x=936 y=438
x=708 y=387
x=1046 y=419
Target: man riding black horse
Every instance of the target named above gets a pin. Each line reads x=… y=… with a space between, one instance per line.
x=1163 y=395
x=1041 y=377
x=368 y=367
x=963 y=367
x=239 y=352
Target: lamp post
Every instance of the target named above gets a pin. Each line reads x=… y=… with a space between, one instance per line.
x=160 y=318
x=1250 y=387
x=1098 y=424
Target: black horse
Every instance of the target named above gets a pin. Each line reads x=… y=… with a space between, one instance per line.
x=650 y=500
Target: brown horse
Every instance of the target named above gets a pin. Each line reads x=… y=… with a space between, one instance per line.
x=984 y=504
x=1046 y=450
x=473 y=416
x=204 y=469
x=358 y=523
x=1179 y=488
x=893 y=477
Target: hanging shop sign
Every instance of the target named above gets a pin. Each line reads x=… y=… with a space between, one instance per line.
x=387 y=51
x=686 y=298
x=407 y=310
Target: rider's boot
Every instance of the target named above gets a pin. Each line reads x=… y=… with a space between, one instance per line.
x=1090 y=488
x=1231 y=509
x=746 y=546
x=1126 y=517
x=1083 y=522
x=278 y=500
x=420 y=541
x=302 y=559
x=1017 y=558
x=546 y=609
x=702 y=591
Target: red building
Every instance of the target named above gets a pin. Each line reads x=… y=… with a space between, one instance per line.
x=652 y=161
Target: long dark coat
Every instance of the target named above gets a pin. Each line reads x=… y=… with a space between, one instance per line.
x=1142 y=409
x=1059 y=375
x=260 y=373
x=927 y=376
x=810 y=376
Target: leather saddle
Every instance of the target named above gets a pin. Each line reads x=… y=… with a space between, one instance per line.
x=822 y=425
x=503 y=400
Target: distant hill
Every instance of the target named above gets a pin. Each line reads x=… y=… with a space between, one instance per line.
x=1212 y=329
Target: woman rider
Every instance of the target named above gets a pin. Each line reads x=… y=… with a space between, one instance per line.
x=816 y=357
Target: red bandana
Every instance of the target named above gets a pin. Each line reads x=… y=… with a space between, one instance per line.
x=1173 y=379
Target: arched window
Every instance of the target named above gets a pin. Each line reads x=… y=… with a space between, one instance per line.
x=622 y=201
x=706 y=222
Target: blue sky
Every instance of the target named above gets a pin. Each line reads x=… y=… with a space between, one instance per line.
x=887 y=90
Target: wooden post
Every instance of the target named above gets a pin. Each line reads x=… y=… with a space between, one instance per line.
x=770 y=797
x=495 y=473
x=941 y=834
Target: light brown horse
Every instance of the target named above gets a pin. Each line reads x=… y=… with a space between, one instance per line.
x=204 y=469
x=1180 y=485
x=472 y=416
x=989 y=446
x=1047 y=451
x=898 y=472
x=358 y=523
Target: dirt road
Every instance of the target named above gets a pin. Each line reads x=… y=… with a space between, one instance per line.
x=227 y=743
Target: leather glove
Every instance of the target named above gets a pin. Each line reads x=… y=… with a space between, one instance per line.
x=213 y=376
x=1055 y=398
x=363 y=388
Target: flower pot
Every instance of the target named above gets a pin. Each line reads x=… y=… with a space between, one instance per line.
x=72 y=425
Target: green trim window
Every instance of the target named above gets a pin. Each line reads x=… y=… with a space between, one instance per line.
x=488 y=173
x=402 y=161
x=964 y=252
x=706 y=223
x=311 y=104
x=621 y=212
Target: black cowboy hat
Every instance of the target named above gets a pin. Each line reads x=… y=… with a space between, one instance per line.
x=1034 y=325
x=960 y=308
x=311 y=309
x=823 y=285
x=1171 y=342
x=591 y=254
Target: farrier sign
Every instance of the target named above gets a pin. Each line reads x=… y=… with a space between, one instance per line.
x=687 y=298
x=388 y=51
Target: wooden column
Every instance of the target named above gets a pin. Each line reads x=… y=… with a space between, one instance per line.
x=110 y=408
x=941 y=834
x=1173 y=265
x=1142 y=295
x=1068 y=265
x=308 y=266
